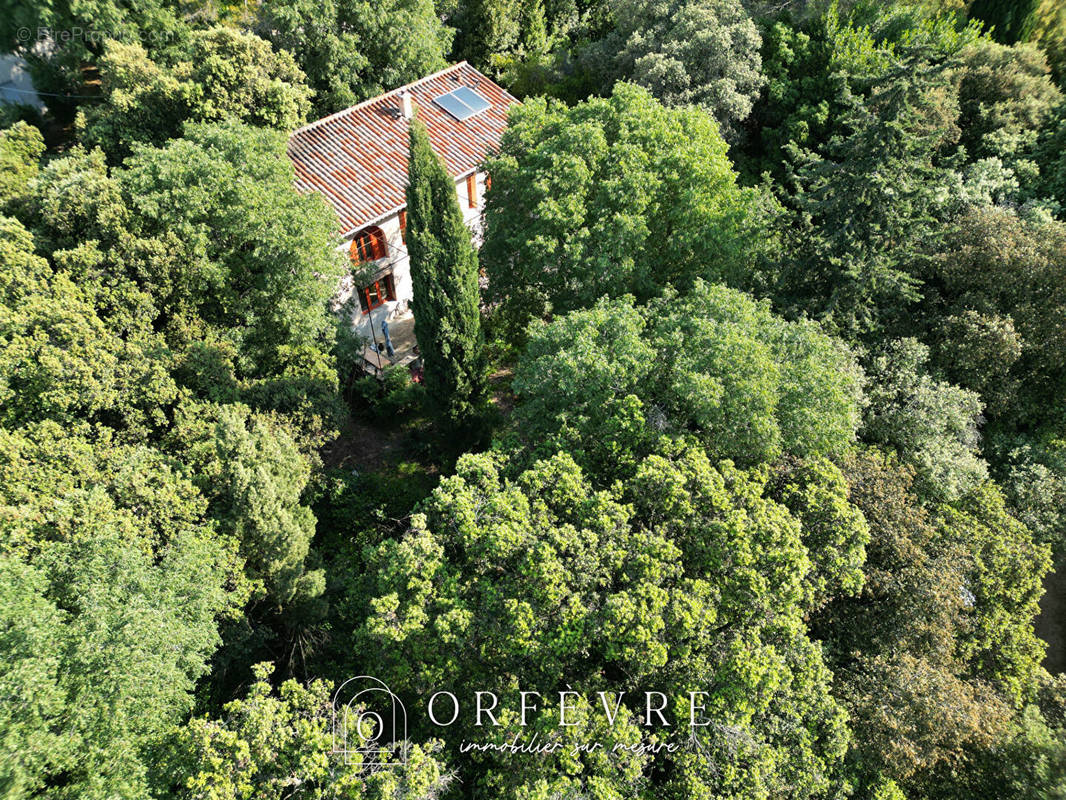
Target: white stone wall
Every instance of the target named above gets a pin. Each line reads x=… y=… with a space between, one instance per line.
x=16 y=86
x=473 y=216
x=400 y=264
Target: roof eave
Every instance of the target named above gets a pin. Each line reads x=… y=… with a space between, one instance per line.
x=385 y=215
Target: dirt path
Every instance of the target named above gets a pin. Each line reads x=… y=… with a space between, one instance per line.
x=361 y=446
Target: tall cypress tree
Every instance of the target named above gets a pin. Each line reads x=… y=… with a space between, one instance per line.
x=444 y=274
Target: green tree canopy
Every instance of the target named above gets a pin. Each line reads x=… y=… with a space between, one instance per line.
x=542 y=583
x=817 y=63
x=1049 y=32
x=222 y=74
x=249 y=265
x=123 y=579
x=865 y=209
x=488 y=29
x=685 y=52
x=901 y=637
x=21 y=147
x=606 y=384
x=1035 y=485
x=60 y=360
x=1005 y=569
x=103 y=333
x=933 y=425
x=206 y=242
x=1011 y=21
x=253 y=475
x=1005 y=98
x=1051 y=157
x=354 y=49
x=613 y=196
x=1005 y=268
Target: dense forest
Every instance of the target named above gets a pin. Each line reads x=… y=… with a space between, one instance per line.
x=756 y=387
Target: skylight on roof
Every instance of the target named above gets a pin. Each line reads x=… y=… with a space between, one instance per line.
x=462 y=103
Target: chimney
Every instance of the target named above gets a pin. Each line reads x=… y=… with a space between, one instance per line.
x=406 y=107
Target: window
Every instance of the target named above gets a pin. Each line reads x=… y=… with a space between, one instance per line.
x=374 y=295
x=471 y=190
x=403 y=226
x=368 y=245
x=462 y=103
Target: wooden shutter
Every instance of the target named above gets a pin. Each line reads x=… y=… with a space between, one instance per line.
x=377 y=247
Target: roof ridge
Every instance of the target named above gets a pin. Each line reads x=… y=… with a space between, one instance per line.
x=357 y=157
x=376 y=98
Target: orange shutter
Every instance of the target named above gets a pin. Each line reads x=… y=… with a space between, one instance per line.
x=356 y=249
x=403 y=226
x=471 y=190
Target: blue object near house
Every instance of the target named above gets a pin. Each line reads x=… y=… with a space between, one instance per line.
x=388 y=341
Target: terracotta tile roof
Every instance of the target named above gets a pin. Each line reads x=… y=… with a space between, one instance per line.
x=357 y=158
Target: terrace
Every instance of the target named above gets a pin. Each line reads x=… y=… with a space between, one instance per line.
x=402 y=334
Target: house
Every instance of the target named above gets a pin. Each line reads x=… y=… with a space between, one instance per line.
x=357 y=159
